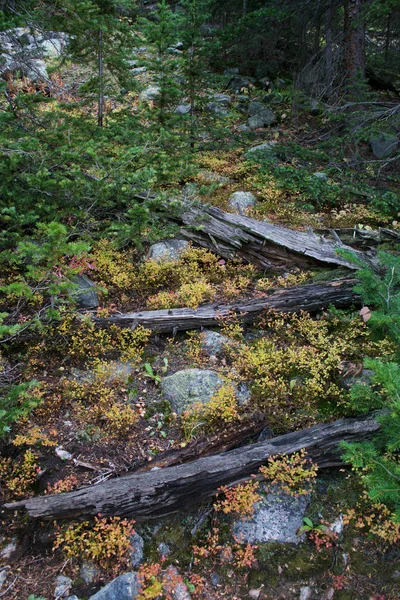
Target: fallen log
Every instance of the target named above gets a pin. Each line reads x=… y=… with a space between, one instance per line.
x=268 y=246
x=161 y=492
x=310 y=297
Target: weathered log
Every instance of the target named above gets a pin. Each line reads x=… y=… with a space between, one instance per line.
x=161 y=492
x=266 y=245
x=310 y=297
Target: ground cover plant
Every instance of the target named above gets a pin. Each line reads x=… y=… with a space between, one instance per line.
x=115 y=118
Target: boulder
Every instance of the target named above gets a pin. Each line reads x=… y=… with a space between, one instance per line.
x=222 y=99
x=264 y=114
x=52 y=48
x=182 y=109
x=137 y=552
x=150 y=93
x=385 y=145
x=216 y=108
x=265 y=150
x=168 y=250
x=86 y=295
x=276 y=518
x=190 y=386
x=137 y=71
x=238 y=83
x=241 y=201
x=213 y=342
x=124 y=587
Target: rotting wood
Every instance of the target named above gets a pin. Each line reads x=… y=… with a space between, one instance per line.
x=310 y=297
x=268 y=246
x=160 y=492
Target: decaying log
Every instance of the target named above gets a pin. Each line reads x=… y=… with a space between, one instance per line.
x=310 y=297
x=161 y=492
x=362 y=239
x=268 y=246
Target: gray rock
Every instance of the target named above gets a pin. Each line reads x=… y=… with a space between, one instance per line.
x=72 y=597
x=138 y=70
x=137 y=552
x=255 y=122
x=182 y=109
x=52 y=48
x=215 y=579
x=86 y=295
x=222 y=99
x=124 y=587
x=3 y=578
x=384 y=145
x=213 y=343
x=321 y=175
x=231 y=71
x=88 y=572
x=164 y=549
x=215 y=108
x=196 y=385
x=116 y=370
x=7 y=551
x=277 y=517
x=63 y=586
x=239 y=83
x=150 y=93
x=265 y=434
x=32 y=68
x=168 y=250
x=241 y=201
x=265 y=150
x=265 y=83
x=244 y=128
x=180 y=591
x=305 y=593
x=262 y=112
x=211 y=177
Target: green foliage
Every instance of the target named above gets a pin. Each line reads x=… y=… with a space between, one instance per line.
x=17 y=403
x=377 y=461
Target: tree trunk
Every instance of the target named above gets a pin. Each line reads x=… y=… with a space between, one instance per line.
x=329 y=49
x=354 y=40
x=100 y=108
x=310 y=297
x=161 y=492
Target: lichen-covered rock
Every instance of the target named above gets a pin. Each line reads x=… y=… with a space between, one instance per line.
x=86 y=295
x=384 y=145
x=52 y=48
x=182 y=109
x=164 y=549
x=137 y=552
x=264 y=114
x=276 y=518
x=265 y=150
x=213 y=343
x=196 y=385
x=63 y=586
x=216 y=108
x=168 y=250
x=124 y=587
x=241 y=201
x=150 y=93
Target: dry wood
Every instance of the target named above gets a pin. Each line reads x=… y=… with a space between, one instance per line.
x=310 y=297
x=268 y=246
x=164 y=491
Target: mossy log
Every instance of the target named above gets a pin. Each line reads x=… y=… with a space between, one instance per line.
x=310 y=297
x=160 y=492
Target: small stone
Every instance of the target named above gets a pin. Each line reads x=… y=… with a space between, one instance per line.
x=164 y=549
x=277 y=517
x=3 y=577
x=88 y=572
x=211 y=177
x=180 y=591
x=265 y=150
x=215 y=579
x=321 y=175
x=137 y=552
x=86 y=295
x=137 y=71
x=255 y=594
x=63 y=586
x=222 y=99
x=241 y=201
x=305 y=593
x=329 y=594
x=168 y=250
x=396 y=576
x=63 y=454
x=124 y=587
x=182 y=109
x=338 y=525
x=9 y=549
x=244 y=128
x=213 y=343
x=216 y=108
x=265 y=434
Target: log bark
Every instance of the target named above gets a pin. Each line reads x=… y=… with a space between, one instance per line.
x=161 y=492
x=268 y=246
x=310 y=297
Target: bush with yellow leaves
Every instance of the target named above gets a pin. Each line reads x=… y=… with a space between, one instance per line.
x=294 y=474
